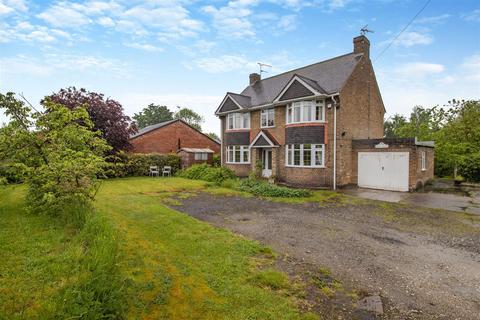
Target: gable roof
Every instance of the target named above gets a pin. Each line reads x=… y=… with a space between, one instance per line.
x=164 y=124
x=326 y=77
x=152 y=127
x=264 y=139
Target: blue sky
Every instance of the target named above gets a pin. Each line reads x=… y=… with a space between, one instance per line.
x=189 y=53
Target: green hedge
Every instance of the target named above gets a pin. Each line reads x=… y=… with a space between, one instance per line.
x=137 y=164
x=264 y=189
x=207 y=173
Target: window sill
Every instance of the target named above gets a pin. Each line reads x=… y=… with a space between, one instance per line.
x=267 y=127
x=308 y=122
x=237 y=130
x=424 y=170
x=237 y=162
x=305 y=167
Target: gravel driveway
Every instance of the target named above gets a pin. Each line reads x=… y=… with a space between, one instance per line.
x=424 y=263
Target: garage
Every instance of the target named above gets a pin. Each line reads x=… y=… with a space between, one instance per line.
x=383 y=170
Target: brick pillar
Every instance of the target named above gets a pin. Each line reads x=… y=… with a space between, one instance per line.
x=275 y=158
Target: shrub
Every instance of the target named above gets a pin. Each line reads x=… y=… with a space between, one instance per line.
x=469 y=167
x=217 y=160
x=13 y=172
x=137 y=164
x=205 y=172
x=264 y=189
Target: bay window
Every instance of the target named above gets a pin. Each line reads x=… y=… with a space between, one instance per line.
x=306 y=111
x=267 y=118
x=238 y=154
x=238 y=121
x=305 y=155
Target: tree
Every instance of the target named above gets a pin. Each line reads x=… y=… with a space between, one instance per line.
x=213 y=135
x=106 y=114
x=190 y=117
x=393 y=125
x=152 y=114
x=60 y=151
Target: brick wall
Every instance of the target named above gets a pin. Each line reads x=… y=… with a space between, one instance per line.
x=170 y=138
x=188 y=159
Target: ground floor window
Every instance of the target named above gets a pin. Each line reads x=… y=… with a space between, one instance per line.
x=201 y=156
x=238 y=154
x=424 y=161
x=305 y=155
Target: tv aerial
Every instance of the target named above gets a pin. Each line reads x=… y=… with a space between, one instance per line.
x=261 y=66
x=365 y=30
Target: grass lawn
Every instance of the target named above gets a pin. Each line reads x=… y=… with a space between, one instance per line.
x=172 y=266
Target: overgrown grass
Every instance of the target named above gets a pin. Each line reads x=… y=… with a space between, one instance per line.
x=264 y=189
x=136 y=259
x=207 y=173
x=50 y=270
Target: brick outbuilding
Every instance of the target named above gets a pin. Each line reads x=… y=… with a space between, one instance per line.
x=170 y=137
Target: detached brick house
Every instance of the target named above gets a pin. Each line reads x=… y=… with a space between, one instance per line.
x=320 y=125
x=176 y=136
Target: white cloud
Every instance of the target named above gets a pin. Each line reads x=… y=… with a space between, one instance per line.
x=433 y=19
x=64 y=14
x=25 y=31
x=106 y=22
x=471 y=69
x=412 y=38
x=419 y=69
x=288 y=22
x=472 y=16
x=224 y=63
x=144 y=46
x=233 y=20
x=10 y=6
x=4 y=9
x=51 y=63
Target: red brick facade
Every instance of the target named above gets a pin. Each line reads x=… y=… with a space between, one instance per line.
x=172 y=137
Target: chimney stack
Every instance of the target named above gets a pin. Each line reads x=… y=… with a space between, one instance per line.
x=254 y=77
x=361 y=44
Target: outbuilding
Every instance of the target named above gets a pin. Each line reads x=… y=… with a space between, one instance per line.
x=191 y=156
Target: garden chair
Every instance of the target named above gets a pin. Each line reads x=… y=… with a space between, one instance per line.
x=154 y=171
x=167 y=171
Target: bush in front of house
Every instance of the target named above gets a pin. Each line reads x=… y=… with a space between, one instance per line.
x=264 y=189
x=207 y=173
x=217 y=160
x=137 y=164
x=469 y=167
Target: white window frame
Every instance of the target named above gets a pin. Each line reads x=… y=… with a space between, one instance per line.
x=267 y=114
x=301 y=105
x=289 y=155
x=244 y=120
x=243 y=150
x=424 y=161
x=201 y=156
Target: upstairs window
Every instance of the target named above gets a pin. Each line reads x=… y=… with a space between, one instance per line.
x=267 y=117
x=306 y=111
x=201 y=156
x=238 y=121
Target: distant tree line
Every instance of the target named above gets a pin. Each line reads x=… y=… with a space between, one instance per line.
x=454 y=127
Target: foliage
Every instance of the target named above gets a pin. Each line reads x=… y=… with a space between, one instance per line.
x=51 y=272
x=217 y=160
x=270 y=278
x=191 y=117
x=207 y=173
x=152 y=114
x=99 y=291
x=264 y=189
x=213 y=135
x=138 y=164
x=60 y=153
x=455 y=129
x=106 y=114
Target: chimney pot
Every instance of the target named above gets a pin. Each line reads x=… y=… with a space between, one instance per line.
x=361 y=44
x=254 y=77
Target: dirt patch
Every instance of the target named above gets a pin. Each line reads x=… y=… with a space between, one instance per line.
x=425 y=264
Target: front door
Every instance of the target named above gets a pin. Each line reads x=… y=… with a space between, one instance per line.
x=266 y=162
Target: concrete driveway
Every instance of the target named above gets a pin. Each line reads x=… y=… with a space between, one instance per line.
x=436 y=200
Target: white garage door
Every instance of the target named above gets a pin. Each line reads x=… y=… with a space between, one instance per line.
x=383 y=170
